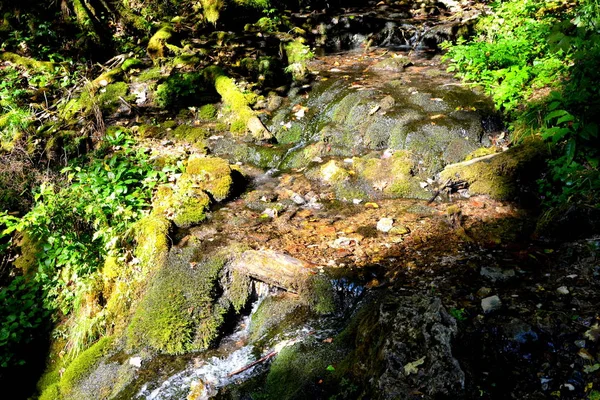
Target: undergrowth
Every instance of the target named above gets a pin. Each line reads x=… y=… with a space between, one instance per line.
x=539 y=61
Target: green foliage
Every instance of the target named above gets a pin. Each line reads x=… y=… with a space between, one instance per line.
x=21 y=318
x=80 y=223
x=539 y=60
x=297 y=55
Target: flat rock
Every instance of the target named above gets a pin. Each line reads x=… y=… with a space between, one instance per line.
x=275 y=268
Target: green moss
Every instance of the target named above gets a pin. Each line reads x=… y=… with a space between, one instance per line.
x=149 y=131
x=191 y=134
x=180 y=311
x=502 y=176
x=185 y=205
x=291 y=135
x=298 y=371
x=169 y=124
x=274 y=315
x=158 y=41
x=480 y=152
x=211 y=174
x=297 y=55
x=151 y=74
x=240 y=289
x=208 y=112
x=80 y=367
x=244 y=118
x=212 y=9
x=104 y=79
x=26 y=62
x=109 y=98
x=331 y=173
x=27 y=261
x=131 y=63
x=181 y=90
x=319 y=295
x=52 y=392
x=152 y=242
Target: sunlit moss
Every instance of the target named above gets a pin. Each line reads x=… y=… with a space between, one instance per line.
x=152 y=242
x=212 y=9
x=80 y=367
x=211 y=174
x=185 y=205
x=500 y=176
x=158 y=41
x=178 y=313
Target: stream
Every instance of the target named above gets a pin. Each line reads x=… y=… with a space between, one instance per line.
x=364 y=271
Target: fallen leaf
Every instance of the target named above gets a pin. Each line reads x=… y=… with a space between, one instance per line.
x=371 y=205
x=328 y=340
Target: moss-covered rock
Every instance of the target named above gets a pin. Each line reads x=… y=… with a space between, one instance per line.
x=298 y=54
x=275 y=314
x=26 y=62
x=112 y=96
x=80 y=367
x=192 y=134
x=158 y=41
x=207 y=112
x=212 y=9
x=152 y=242
x=244 y=116
x=503 y=176
x=210 y=173
x=183 y=204
x=181 y=311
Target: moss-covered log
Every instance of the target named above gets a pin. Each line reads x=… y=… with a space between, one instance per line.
x=245 y=117
x=26 y=62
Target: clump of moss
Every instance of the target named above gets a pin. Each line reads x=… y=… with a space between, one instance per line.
x=503 y=176
x=149 y=131
x=480 y=152
x=291 y=135
x=239 y=290
x=212 y=174
x=331 y=173
x=207 y=112
x=152 y=242
x=212 y=9
x=158 y=41
x=151 y=74
x=80 y=367
x=30 y=248
x=27 y=62
x=185 y=205
x=319 y=295
x=180 y=311
x=244 y=117
x=300 y=371
x=131 y=63
x=297 y=55
x=191 y=134
x=181 y=89
x=275 y=314
x=110 y=97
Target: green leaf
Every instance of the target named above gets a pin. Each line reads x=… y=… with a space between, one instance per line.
x=570 y=149
x=330 y=368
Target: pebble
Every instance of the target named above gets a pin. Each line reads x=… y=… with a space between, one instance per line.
x=296 y=198
x=385 y=224
x=490 y=304
x=497 y=274
x=135 y=361
x=562 y=290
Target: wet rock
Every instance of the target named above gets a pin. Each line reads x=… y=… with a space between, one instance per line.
x=275 y=268
x=392 y=65
x=385 y=224
x=490 y=304
x=519 y=331
x=416 y=350
x=496 y=274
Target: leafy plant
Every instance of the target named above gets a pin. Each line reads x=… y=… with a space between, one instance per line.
x=538 y=60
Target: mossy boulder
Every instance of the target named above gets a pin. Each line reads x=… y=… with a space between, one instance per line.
x=392 y=65
x=184 y=306
x=275 y=314
x=214 y=175
x=502 y=176
x=78 y=370
x=158 y=42
x=183 y=203
x=152 y=242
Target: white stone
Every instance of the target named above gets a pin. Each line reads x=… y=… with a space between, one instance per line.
x=135 y=361
x=562 y=290
x=490 y=304
x=385 y=224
